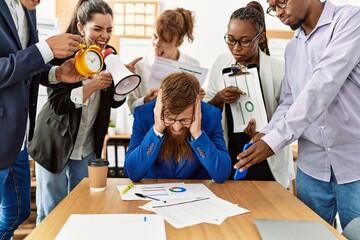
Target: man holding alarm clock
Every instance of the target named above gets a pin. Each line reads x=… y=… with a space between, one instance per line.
x=23 y=66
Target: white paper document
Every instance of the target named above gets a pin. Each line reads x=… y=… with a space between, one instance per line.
x=250 y=105
x=113 y=226
x=187 y=212
x=166 y=191
x=162 y=67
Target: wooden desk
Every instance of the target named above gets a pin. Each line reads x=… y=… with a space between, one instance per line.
x=264 y=200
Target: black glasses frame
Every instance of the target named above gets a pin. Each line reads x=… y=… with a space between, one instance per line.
x=242 y=44
x=183 y=121
x=272 y=10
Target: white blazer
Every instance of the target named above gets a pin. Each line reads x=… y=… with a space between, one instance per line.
x=271 y=75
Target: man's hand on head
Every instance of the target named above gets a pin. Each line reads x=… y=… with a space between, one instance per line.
x=159 y=124
x=195 y=128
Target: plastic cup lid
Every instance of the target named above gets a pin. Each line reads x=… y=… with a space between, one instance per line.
x=98 y=162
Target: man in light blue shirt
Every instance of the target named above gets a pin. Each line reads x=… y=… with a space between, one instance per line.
x=320 y=106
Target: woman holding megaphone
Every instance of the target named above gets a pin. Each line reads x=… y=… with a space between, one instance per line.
x=72 y=124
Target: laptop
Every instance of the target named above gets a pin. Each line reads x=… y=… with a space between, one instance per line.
x=271 y=229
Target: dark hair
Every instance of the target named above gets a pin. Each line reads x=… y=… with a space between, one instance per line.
x=254 y=12
x=175 y=23
x=179 y=91
x=84 y=12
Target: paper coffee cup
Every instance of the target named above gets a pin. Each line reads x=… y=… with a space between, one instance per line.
x=98 y=171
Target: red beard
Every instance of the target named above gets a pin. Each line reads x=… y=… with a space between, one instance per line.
x=175 y=146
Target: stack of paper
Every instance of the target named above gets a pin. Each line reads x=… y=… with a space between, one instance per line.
x=185 y=204
x=193 y=211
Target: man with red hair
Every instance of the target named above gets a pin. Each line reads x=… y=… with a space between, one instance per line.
x=177 y=136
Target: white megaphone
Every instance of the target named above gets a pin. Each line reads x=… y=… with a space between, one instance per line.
x=125 y=81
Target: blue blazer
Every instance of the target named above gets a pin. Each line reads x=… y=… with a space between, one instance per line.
x=210 y=158
x=21 y=71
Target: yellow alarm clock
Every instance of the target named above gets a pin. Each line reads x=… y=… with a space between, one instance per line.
x=88 y=61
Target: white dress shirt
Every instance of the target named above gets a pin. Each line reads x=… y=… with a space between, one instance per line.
x=20 y=20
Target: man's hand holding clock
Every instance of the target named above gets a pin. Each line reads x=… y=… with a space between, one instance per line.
x=67 y=72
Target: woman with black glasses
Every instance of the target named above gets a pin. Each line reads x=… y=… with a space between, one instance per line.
x=247 y=42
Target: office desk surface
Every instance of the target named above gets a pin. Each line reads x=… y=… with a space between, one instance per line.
x=267 y=200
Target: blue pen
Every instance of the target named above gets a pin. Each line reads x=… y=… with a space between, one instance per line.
x=239 y=175
x=144 y=218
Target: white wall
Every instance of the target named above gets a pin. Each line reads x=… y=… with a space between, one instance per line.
x=46 y=9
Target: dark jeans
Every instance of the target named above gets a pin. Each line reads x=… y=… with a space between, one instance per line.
x=14 y=195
